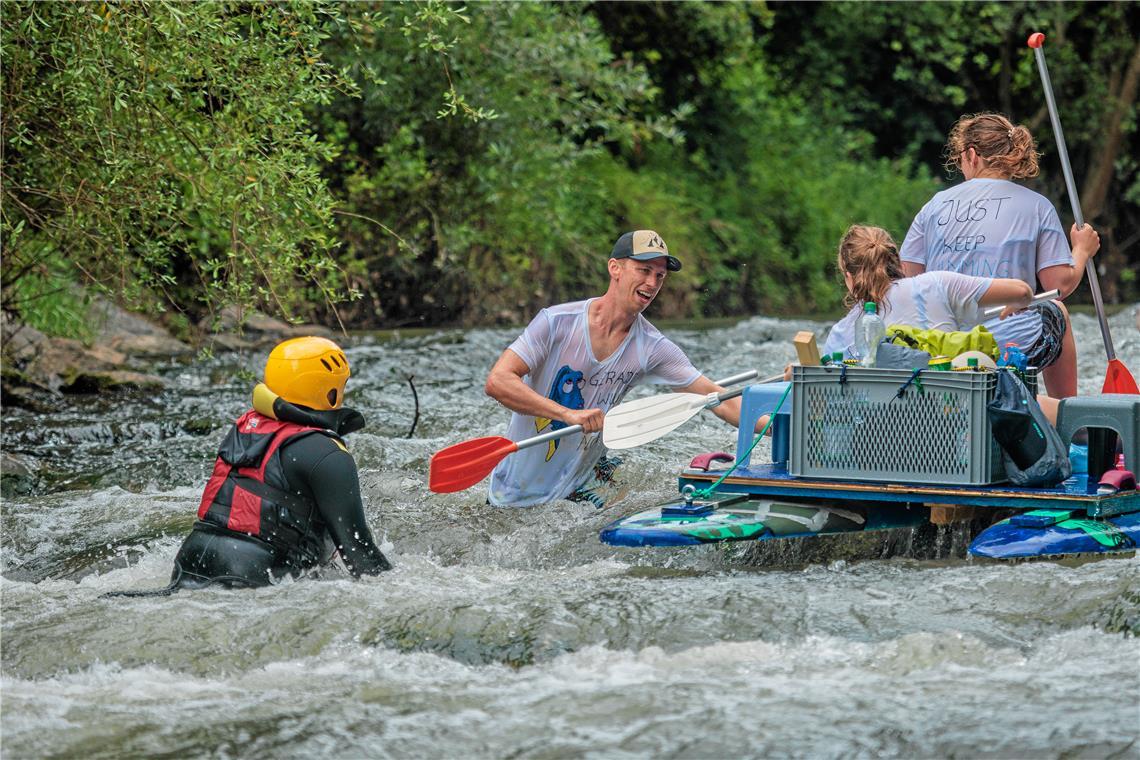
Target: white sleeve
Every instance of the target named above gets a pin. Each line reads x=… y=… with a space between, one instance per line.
x=668 y=365
x=841 y=337
x=534 y=344
x=963 y=292
x=834 y=342
x=913 y=248
x=1052 y=243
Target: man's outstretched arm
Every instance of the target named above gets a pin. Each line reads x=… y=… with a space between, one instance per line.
x=729 y=411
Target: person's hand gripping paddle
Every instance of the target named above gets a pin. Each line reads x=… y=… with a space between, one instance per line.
x=461 y=466
x=1117 y=378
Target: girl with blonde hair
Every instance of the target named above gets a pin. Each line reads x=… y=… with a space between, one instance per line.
x=949 y=301
x=989 y=226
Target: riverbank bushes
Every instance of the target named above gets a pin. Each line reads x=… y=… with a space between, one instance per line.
x=161 y=152
x=500 y=216
x=389 y=164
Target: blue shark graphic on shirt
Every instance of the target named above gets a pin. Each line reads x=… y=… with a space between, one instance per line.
x=567 y=391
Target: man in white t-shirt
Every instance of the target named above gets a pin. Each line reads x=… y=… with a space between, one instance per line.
x=574 y=362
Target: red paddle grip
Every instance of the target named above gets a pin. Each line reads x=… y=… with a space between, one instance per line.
x=1036 y=40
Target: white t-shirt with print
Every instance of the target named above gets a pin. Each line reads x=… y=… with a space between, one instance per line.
x=991 y=228
x=945 y=301
x=556 y=347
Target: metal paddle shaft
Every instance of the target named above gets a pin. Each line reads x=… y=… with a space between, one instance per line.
x=1117 y=378
x=636 y=423
x=549 y=436
x=746 y=375
x=1037 y=42
x=1047 y=295
x=462 y=465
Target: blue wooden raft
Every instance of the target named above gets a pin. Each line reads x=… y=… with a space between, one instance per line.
x=764 y=502
x=773 y=480
x=758 y=502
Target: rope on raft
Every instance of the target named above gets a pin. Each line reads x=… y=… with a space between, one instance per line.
x=704 y=493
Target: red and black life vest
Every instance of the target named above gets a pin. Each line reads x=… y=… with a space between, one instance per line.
x=248 y=492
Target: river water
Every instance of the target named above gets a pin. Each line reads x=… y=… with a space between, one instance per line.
x=516 y=633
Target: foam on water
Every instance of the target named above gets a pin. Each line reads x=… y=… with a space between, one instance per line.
x=919 y=694
x=515 y=632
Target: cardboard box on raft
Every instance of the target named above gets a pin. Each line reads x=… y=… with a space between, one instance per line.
x=806 y=349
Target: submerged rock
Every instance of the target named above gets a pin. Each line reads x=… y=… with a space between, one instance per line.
x=123 y=352
x=18 y=474
x=150 y=346
x=239 y=329
x=133 y=334
x=112 y=380
x=68 y=366
x=199 y=425
x=21 y=342
x=33 y=360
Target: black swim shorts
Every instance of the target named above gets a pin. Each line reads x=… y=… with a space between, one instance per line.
x=1047 y=349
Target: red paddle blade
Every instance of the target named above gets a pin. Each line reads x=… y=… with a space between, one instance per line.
x=465 y=464
x=1117 y=379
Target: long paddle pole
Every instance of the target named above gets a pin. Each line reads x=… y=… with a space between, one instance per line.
x=1048 y=295
x=570 y=430
x=1117 y=378
x=462 y=465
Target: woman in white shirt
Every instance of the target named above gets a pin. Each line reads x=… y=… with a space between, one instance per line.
x=990 y=226
x=947 y=301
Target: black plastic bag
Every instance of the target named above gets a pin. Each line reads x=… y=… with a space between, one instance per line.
x=1032 y=450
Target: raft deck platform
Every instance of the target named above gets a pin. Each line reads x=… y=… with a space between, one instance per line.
x=774 y=481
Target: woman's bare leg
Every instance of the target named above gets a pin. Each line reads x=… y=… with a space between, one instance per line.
x=1049 y=406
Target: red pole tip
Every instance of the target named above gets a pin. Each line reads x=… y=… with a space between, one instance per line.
x=1036 y=40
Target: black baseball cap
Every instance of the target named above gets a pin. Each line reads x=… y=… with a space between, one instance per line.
x=644 y=245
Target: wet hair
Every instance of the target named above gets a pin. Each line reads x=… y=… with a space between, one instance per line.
x=1003 y=146
x=871 y=257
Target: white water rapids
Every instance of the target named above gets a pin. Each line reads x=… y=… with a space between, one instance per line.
x=516 y=633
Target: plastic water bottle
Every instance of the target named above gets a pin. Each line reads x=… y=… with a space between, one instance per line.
x=869 y=333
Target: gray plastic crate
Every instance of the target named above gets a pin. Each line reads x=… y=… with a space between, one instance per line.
x=860 y=430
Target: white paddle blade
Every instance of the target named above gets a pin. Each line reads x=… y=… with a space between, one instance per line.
x=638 y=422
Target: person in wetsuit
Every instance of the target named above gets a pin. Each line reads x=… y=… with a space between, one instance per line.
x=284 y=494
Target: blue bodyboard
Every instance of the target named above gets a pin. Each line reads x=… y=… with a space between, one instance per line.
x=1047 y=532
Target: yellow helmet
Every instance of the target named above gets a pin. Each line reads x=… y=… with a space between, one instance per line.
x=308 y=371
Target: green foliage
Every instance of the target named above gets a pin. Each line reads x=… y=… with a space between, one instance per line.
x=808 y=182
x=490 y=214
x=49 y=303
x=162 y=149
x=757 y=200
x=569 y=139
x=469 y=164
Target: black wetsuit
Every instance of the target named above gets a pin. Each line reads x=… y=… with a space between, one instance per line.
x=320 y=471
